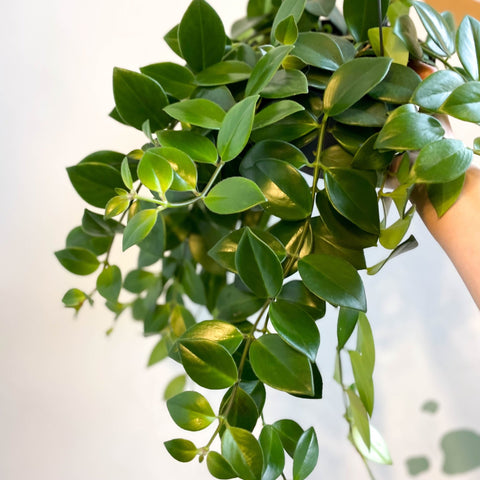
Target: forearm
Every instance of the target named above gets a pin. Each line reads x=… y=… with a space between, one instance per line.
x=458 y=230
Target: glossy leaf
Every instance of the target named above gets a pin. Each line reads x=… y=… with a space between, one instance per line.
x=242 y=410
x=347 y=321
x=139 y=98
x=334 y=280
x=274 y=149
x=152 y=246
x=208 y=363
x=407 y=245
x=442 y=161
x=97 y=245
x=201 y=36
x=190 y=411
x=464 y=103
x=289 y=432
x=287 y=8
x=390 y=237
x=319 y=50
x=234 y=304
x=360 y=15
x=235 y=129
x=171 y=39
x=364 y=113
x=280 y=366
x=218 y=466
x=296 y=327
x=181 y=449
x=286 y=83
x=288 y=129
x=275 y=112
x=198 y=111
x=287 y=31
x=273 y=456
x=126 y=174
x=265 y=69
x=341 y=93
x=109 y=282
x=78 y=260
x=444 y=195
x=436 y=88
x=154 y=170
x=393 y=47
x=468 y=46
x=243 y=452
x=139 y=227
x=220 y=95
x=223 y=73
x=296 y=293
x=196 y=146
x=306 y=455
x=232 y=195
x=184 y=170
x=176 y=80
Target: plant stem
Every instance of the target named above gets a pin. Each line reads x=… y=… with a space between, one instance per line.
x=432 y=54
x=380 y=29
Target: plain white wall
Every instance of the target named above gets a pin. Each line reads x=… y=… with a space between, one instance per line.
x=75 y=404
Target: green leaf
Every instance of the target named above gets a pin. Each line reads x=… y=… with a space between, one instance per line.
x=318 y=49
x=296 y=293
x=286 y=83
x=354 y=197
x=409 y=131
x=220 y=95
x=468 y=46
x=378 y=451
x=464 y=103
x=442 y=161
x=341 y=93
x=153 y=245
x=289 y=432
x=273 y=456
x=265 y=69
x=171 y=39
x=154 y=170
x=190 y=411
x=223 y=73
x=347 y=321
x=436 y=88
x=236 y=127
x=217 y=331
x=364 y=113
x=234 y=304
x=287 y=31
x=365 y=342
x=109 y=282
x=361 y=15
x=280 y=366
x=95 y=225
x=201 y=36
x=192 y=284
x=393 y=46
x=159 y=352
x=197 y=111
x=405 y=29
x=184 y=170
x=97 y=245
x=218 y=466
x=334 y=280
x=274 y=149
x=288 y=129
x=390 y=237
x=138 y=227
x=181 y=449
x=176 y=80
x=115 y=206
x=175 y=387
x=232 y=195
x=363 y=380
x=242 y=410
x=137 y=281
x=139 y=98
x=243 y=452
x=208 y=363
x=436 y=27
x=78 y=260
x=74 y=298
x=358 y=417
x=258 y=266
x=275 y=112
x=320 y=8
x=196 y=146
x=407 y=245
x=306 y=455
x=296 y=327
x=287 y=8
x=126 y=174
x=444 y=195
x=95 y=182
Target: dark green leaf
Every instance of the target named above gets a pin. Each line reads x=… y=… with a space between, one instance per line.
x=320 y=8
x=364 y=113
x=265 y=69
x=171 y=39
x=360 y=15
x=407 y=245
x=442 y=161
x=153 y=245
x=181 y=449
x=444 y=195
x=221 y=95
x=368 y=158
x=97 y=245
x=223 y=73
x=78 y=260
x=201 y=36
x=242 y=410
x=192 y=284
x=296 y=327
x=109 y=282
x=258 y=265
x=137 y=281
x=464 y=103
x=318 y=49
x=218 y=466
x=197 y=111
x=273 y=456
x=175 y=387
x=468 y=46
x=289 y=432
x=287 y=8
x=334 y=280
x=341 y=93
x=208 y=363
x=139 y=98
x=234 y=304
x=139 y=227
x=280 y=366
x=275 y=112
x=235 y=129
x=347 y=320
x=232 y=195
x=95 y=225
x=296 y=293
x=405 y=29
x=176 y=80
x=287 y=31
x=243 y=452
x=274 y=149
x=197 y=147
x=286 y=83
x=306 y=455
x=190 y=411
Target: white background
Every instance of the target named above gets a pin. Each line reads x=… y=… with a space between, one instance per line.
x=75 y=404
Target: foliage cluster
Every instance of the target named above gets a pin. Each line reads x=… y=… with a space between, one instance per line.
x=223 y=212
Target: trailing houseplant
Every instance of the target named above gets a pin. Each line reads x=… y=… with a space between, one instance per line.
x=263 y=179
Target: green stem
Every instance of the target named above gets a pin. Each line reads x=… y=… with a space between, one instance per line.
x=443 y=60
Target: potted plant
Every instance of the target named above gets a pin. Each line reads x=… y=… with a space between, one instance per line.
x=263 y=179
